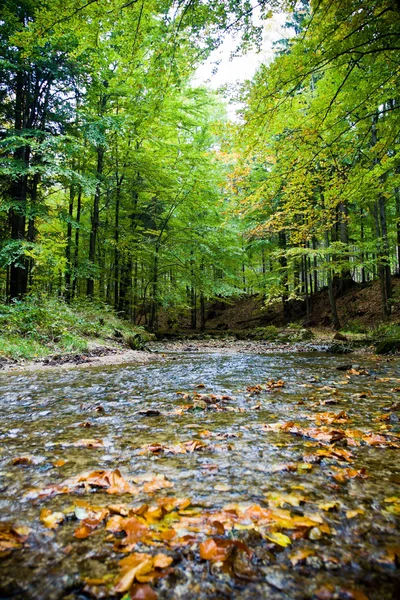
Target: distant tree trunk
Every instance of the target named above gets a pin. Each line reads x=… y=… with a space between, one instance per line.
x=154 y=291
x=397 y=195
x=18 y=192
x=95 y=223
x=76 y=252
x=135 y=292
x=307 y=297
x=101 y=261
x=202 y=306
x=193 y=308
x=362 y=236
x=379 y=213
x=125 y=285
x=345 y=281
x=386 y=253
x=31 y=234
x=331 y=293
x=193 y=298
x=116 y=251
x=315 y=265
x=68 y=248
x=202 y=312
x=283 y=265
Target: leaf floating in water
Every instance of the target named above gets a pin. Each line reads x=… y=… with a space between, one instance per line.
x=279 y=538
x=12 y=538
x=141 y=567
x=51 y=519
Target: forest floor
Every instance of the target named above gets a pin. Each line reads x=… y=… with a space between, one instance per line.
x=359 y=311
x=50 y=333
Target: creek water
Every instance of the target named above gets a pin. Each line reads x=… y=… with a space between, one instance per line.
x=47 y=415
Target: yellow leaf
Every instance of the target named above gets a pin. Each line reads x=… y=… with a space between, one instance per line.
x=279 y=538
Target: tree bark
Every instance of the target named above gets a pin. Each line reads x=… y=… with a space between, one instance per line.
x=95 y=223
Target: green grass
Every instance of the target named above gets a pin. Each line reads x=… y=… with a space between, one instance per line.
x=39 y=326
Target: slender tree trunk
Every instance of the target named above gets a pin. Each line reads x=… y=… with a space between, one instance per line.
x=135 y=292
x=18 y=193
x=76 y=251
x=379 y=213
x=397 y=196
x=202 y=305
x=31 y=234
x=154 y=292
x=283 y=265
x=362 y=237
x=193 y=298
x=315 y=265
x=307 y=296
x=387 y=276
x=331 y=293
x=116 y=251
x=95 y=224
x=68 y=248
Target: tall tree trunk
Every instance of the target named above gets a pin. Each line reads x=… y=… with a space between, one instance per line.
x=18 y=192
x=202 y=305
x=135 y=292
x=76 y=251
x=307 y=296
x=386 y=254
x=31 y=225
x=95 y=223
x=68 y=248
x=379 y=213
x=362 y=237
x=193 y=298
x=154 y=292
x=331 y=293
x=344 y=282
x=283 y=265
x=116 y=251
x=315 y=265
x=397 y=195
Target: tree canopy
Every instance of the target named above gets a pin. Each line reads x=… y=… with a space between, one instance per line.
x=122 y=180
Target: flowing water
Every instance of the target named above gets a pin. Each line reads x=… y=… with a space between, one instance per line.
x=48 y=416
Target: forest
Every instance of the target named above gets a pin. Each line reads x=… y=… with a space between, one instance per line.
x=199 y=300
x=124 y=182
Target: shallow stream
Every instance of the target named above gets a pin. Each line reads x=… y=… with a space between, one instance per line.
x=270 y=446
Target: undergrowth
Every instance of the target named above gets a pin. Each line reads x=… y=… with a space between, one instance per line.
x=39 y=326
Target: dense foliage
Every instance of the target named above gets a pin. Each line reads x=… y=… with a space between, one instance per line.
x=318 y=177
x=122 y=181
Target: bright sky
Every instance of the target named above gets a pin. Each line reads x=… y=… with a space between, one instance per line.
x=238 y=69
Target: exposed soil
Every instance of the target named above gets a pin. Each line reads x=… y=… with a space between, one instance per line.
x=360 y=305
x=102 y=356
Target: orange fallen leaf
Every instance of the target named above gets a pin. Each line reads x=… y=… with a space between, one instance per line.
x=215 y=550
x=51 y=519
x=12 y=538
x=300 y=555
x=141 y=567
x=86 y=527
